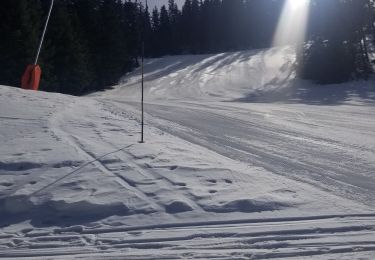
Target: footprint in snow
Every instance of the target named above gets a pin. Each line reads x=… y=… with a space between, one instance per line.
x=18 y=154
x=6 y=184
x=115 y=130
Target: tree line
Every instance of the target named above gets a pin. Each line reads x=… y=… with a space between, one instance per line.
x=90 y=44
x=338 y=43
x=213 y=26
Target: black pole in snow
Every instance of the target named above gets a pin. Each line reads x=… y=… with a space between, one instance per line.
x=142 y=101
x=142 y=68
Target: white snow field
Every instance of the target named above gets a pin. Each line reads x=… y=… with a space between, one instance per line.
x=241 y=161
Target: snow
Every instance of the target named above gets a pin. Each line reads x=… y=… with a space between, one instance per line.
x=160 y=3
x=241 y=161
x=225 y=75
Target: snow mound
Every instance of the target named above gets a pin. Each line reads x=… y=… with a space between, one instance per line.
x=24 y=204
x=232 y=75
x=256 y=76
x=247 y=206
x=178 y=207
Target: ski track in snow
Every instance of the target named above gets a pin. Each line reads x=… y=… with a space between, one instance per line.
x=124 y=160
x=331 y=163
x=331 y=237
x=216 y=179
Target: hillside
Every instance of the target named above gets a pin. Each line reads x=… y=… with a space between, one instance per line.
x=258 y=76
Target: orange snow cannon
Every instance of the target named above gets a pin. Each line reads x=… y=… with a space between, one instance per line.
x=31 y=77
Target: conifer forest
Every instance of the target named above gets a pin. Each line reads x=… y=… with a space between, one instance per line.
x=91 y=44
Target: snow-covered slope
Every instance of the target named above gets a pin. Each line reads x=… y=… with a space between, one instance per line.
x=256 y=76
x=221 y=76
x=215 y=179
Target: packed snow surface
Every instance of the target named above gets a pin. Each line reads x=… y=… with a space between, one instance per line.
x=241 y=161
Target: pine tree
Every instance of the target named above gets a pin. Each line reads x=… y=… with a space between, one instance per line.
x=195 y=26
x=234 y=24
x=155 y=27
x=70 y=71
x=175 y=26
x=88 y=21
x=337 y=50
x=164 y=32
x=214 y=29
x=146 y=31
x=113 y=54
x=131 y=27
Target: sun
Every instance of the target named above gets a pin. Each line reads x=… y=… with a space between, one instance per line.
x=298 y=3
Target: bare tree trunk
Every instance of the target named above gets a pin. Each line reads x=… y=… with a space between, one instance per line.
x=365 y=48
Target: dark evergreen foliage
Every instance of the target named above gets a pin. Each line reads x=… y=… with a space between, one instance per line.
x=336 y=50
x=19 y=30
x=90 y=44
x=66 y=66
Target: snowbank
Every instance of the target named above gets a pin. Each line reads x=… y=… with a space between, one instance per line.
x=221 y=76
x=258 y=76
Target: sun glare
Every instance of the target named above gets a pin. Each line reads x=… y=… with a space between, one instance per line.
x=298 y=3
x=293 y=23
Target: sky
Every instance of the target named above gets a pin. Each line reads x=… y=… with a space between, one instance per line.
x=159 y=3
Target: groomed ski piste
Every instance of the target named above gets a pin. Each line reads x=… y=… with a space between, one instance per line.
x=241 y=161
